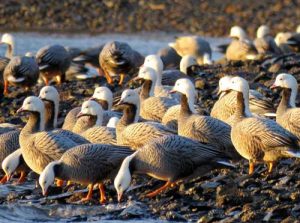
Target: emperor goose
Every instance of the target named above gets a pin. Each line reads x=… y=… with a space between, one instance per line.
x=171 y=159
x=8 y=40
x=133 y=134
x=264 y=42
x=94 y=131
x=204 y=129
x=225 y=106
x=258 y=139
x=287 y=114
x=40 y=147
x=81 y=165
x=152 y=108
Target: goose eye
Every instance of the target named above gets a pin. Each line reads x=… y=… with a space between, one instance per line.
x=280 y=79
x=46 y=92
x=29 y=103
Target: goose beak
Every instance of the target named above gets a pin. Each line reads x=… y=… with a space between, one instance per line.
x=92 y=98
x=20 y=110
x=45 y=192
x=137 y=78
x=80 y=114
x=120 y=197
x=219 y=92
x=172 y=91
x=8 y=177
x=273 y=86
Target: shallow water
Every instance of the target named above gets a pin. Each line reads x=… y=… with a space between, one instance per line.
x=32 y=207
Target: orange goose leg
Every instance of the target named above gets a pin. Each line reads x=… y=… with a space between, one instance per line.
x=251 y=167
x=90 y=193
x=122 y=77
x=270 y=166
x=59 y=183
x=108 y=77
x=22 y=178
x=5 y=92
x=157 y=191
x=3 y=180
x=102 y=193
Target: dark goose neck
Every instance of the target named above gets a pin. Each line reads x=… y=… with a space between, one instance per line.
x=49 y=115
x=33 y=124
x=285 y=101
x=240 y=105
x=184 y=106
x=146 y=88
x=129 y=114
x=103 y=103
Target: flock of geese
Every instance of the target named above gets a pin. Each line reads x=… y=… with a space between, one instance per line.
x=156 y=129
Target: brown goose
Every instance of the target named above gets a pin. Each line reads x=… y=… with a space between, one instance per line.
x=205 y=129
x=93 y=129
x=40 y=147
x=81 y=165
x=119 y=59
x=53 y=62
x=152 y=108
x=287 y=114
x=259 y=139
x=20 y=71
x=133 y=134
x=8 y=40
x=171 y=159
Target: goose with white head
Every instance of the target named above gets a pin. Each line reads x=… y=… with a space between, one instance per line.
x=264 y=42
x=152 y=107
x=8 y=40
x=204 y=129
x=287 y=114
x=171 y=159
x=93 y=130
x=225 y=106
x=40 y=147
x=81 y=165
x=129 y=131
x=259 y=139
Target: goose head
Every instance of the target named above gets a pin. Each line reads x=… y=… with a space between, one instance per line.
x=282 y=38
x=224 y=83
x=47 y=177
x=155 y=62
x=92 y=108
x=131 y=97
x=263 y=31
x=123 y=178
x=103 y=96
x=148 y=74
x=285 y=80
x=186 y=87
x=50 y=94
x=7 y=39
x=187 y=61
x=238 y=33
x=11 y=162
x=298 y=29
x=112 y=123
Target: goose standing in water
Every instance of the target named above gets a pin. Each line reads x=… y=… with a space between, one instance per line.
x=152 y=108
x=20 y=71
x=93 y=129
x=119 y=59
x=53 y=62
x=171 y=159
x=225 y=107
x=133 y=134
x=287 y=114
x=86 y=164
x=40 y=147
x=8 y=40
x=264 y=42
x=258 y=139
x=205 y=129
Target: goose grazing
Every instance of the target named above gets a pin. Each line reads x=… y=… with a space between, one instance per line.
x=81 y=165
x=193 y=45
x=205 y=129
x=240 y=48
x=152 y=108
x=287 y=114
x=20 y=71
x=93 y=129
x=15 y=163
x=258 y=139
x=53 y=62
x=133 y=134
x=40 y=147
x=8 y=40
x=225 y=107
x=119 y=59
x=171 y=159
x=264 y=42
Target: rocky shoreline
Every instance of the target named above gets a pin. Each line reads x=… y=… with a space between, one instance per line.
x=208 y=18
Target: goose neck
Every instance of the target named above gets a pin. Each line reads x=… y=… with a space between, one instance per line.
x=9 y=51
x=35 y=123
x=242 y=105
x=104 y=104
x=130 y=114
x=285 y=102
x=187 y=104
x=147 y=90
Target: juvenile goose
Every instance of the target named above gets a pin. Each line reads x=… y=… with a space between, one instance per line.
x=287 y=114
x=8 y=40
x=133 y=134
x=93 y=129
x=258 y=139
x=15 y=163
x=86 y=164
x=171 y=159
x=205 y=129
x=53 y=62
x=152 y=108
x=264 y=42
x=225 y=106
x=20 y=71
x=40 y=147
